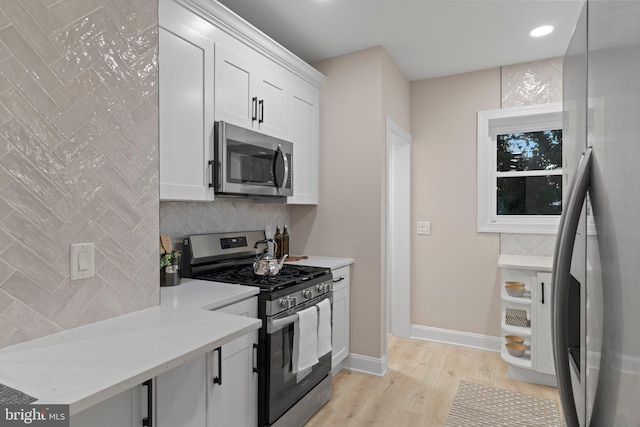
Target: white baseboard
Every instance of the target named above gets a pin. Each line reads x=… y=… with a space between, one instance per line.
x=448 y=336
x=378 y=366
x=366 y=364
x=531 y=376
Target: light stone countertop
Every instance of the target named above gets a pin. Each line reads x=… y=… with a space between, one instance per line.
x=84 y=366
x=324 y=261
x=526 y=262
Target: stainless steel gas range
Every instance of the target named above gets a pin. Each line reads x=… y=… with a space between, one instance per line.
x=285 y=397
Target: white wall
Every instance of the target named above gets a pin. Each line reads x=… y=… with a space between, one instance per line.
x=362 y=88
x=455 y=277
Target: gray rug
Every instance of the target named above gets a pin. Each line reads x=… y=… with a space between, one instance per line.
x=481 y=406
x=11 y=396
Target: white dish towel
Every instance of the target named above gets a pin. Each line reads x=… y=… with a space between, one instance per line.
x=324 y=327
x=305 y=340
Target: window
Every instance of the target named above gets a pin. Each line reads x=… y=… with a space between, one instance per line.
x=520 y=169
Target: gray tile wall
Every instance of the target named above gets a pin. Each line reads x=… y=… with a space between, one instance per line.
x=78 y=161
x=530 y=83
x=179 y=219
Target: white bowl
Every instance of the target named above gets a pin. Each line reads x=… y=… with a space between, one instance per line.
x=515 y=290
x=511 y=282
x=514 y=338
x=515 y=349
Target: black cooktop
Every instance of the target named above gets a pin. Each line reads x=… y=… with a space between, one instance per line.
x=289 y=275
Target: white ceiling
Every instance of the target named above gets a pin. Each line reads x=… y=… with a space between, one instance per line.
x=426 y=38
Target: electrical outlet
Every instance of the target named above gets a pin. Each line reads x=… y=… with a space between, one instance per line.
x=424 y=227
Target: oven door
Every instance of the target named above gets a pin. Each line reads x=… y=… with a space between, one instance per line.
x=251 y=163
x=284 y=388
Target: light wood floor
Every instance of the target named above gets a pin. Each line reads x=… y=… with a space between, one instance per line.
x=419 y=386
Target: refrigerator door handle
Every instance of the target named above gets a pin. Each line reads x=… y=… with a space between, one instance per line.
x=560 y=279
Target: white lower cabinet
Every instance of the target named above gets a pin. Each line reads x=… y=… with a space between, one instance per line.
x=542 y=333
x=536 y=365
x=209 y=391
x=127 y=409
x=181 y=395
x=234 y=402
x=341 y=313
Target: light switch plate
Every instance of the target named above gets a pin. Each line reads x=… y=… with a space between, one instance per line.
x=424 y=227
x=81 y=261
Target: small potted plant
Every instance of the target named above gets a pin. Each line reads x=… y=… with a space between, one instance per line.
x=170 y=268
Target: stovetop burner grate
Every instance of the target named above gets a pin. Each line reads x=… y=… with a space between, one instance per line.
x=289 y=275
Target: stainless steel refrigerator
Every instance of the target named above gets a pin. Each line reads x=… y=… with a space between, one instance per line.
x=596 y=305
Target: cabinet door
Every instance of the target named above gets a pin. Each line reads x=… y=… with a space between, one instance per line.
x=272 y=103
x=121 y=410
x=235 y=401
x=181 y=398
x=304 y=115
x=542 y=346
x=341 y=324
x=234 y=99
x=248 y=95
x=186 y=113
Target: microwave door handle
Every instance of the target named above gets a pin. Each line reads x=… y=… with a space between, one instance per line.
x=286 y=171
x=285 y=160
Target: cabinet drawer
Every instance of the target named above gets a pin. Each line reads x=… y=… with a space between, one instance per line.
x=247 y=308
x=341 y=278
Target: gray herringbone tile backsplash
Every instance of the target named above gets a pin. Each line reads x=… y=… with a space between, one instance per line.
x=78 y=161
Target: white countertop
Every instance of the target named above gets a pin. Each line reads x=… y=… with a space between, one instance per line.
x=526 y=262
x=204 y=294
x=84 y=366
x=324 y=261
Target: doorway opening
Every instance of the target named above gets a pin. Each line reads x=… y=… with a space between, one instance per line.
x=398 y=231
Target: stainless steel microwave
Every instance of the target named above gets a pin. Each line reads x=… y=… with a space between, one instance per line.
x=248 y=163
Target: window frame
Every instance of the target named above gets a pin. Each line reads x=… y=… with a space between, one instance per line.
x=509 y=120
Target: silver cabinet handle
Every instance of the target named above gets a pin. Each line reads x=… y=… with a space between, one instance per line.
x=560 y=279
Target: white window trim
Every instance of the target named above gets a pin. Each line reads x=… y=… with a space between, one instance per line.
x=494 y=122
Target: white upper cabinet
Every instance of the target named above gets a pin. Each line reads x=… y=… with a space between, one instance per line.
x=248 y=95
x=214 y=66
x=304 y=114
x=186 y=61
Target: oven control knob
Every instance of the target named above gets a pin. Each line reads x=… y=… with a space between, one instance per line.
x=320 y=288
x=327 y=287
x=307 y=294
x=285 y=302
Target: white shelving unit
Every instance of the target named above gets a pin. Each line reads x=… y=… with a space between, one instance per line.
x=536 y=365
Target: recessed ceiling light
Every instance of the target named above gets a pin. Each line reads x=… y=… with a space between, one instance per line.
x=541 y=31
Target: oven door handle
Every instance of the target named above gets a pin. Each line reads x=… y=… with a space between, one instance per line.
x=277 y=324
